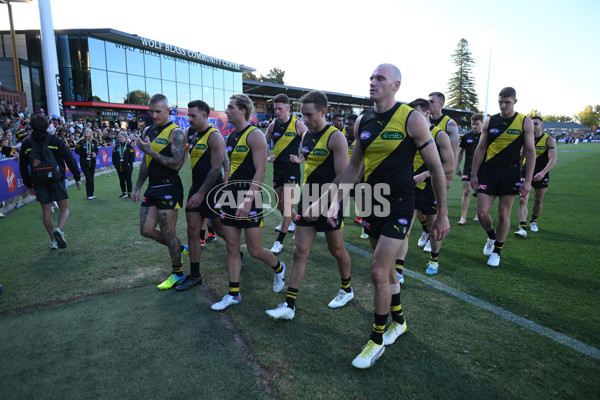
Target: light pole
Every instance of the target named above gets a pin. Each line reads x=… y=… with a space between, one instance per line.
x=14 y=42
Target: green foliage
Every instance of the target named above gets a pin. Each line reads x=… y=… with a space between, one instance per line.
x=549 y=118
x=589 y=117
x=275 y=75
x=461 y=86
x=138 y=97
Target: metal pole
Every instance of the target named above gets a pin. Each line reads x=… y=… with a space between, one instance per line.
x=14 y=50
x=487 y=90
x=49 y=57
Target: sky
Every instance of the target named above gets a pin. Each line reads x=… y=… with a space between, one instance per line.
x=547 y=50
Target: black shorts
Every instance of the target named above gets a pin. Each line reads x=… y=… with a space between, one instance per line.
x=207 y=207
x=285 y=173
x=320 y=223
x=56 y=191
x=500 y=181
x=396 y=224
x=228 y=210
x=466 y=176
x=543 y=184
x=165 y=196
x=425 y=200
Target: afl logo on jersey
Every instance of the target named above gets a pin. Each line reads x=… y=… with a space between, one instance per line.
x=229 y=149
x=403 y=221
x=365 y=135
x=494 y=130
x=276 y=134
x=305 y=150
x=470 y=141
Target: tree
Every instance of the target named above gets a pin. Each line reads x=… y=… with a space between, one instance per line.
x=250 y=76
x=275 y=75
x=534 y=113
x=589 y=117
x=557 y=118
x=138 y=97
x=461 y=87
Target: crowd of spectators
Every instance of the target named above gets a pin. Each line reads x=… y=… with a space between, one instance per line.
x=14 y=128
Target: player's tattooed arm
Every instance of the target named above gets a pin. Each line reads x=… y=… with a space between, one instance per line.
x=178 y=150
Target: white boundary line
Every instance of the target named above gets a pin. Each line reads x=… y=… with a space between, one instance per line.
x=560 y=338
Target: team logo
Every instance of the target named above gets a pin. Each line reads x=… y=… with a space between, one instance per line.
x=403 y=221
x=392 y=136
x=11 y=178
x=483 y=187
x=494 y=130
x=365 y=135
x=168 y=197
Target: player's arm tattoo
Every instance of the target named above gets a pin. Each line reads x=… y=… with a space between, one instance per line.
x=178 y=150
x=143 y=217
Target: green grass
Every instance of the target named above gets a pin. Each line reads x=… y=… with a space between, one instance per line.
x=87 y=322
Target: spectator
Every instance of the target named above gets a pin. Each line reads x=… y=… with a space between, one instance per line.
x=123 y=157
x=87 y=148
x=7 y=149
x=55 y=191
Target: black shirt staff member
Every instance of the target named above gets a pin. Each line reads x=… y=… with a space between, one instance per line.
x=123 y=157
x=87 y=149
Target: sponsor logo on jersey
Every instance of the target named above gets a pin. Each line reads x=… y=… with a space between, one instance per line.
x=161 y=141
x=320 y=152
x=540 y=147
x=365 y=135
x=290 y=134
x=201 y=146
x=392 y=136
x=513 y=131
x=241 y=149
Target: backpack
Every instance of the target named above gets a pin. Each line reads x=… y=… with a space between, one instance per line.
x=43 y=167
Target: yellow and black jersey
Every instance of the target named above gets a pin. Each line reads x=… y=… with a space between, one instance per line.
x=286 y=141
x=504 y=141
x=318 y=165
x=442 y=122
x=350 y=141
x=240 y=155
x=159 y=138
x=541 y=152
x=419 y=166
x=389 y=151
x=200 y=156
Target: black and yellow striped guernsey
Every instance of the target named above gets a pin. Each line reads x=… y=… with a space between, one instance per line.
x=504 y=141
x=389 y=151
x=240 y=155
x=441 y=123
x=159 y=136
x=419 y=166
x=286 y=141
x=350 y=141
x=318 y=165
x=200 y=156
x=541 y=152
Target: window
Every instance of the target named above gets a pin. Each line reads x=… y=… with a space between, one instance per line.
x=228 y=80
x=218 y=77
x=97 y=54
x=152 y=64
x=167 y=68
x=137 y=90
x=99 y=85
x=115 y=58
x=170 y=90
x=207 y=96
x=207 y=77
x=117 y=87
x=219 y=104
x=237 y=82
x=153 y=86
x=195 y=92
x=183 y=94
x=195 y=73
x=135 y=62
x=183 y=72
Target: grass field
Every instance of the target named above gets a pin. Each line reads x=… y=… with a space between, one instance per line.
x=88 y=322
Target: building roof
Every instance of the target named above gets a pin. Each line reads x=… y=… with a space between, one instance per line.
x=114 y=35
x=563 y=125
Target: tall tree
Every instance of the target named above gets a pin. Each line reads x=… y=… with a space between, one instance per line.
x=250 y=76
x=461 y=86
x=138 y=97
x=589 y=117
x=557 y=118
x=275 y=75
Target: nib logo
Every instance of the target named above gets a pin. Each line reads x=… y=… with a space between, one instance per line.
x=11 y=178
